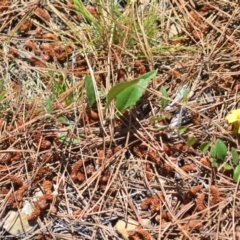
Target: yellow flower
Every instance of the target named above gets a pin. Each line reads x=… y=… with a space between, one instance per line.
x=234 y=117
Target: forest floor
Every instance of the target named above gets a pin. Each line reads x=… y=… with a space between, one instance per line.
x=74 y=166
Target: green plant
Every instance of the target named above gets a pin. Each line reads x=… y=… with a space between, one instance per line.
x=2 y=92
x=91 y=97
x=181 y=130
x=128 y=93
x=48 y=105
x=218 y=153
x=85 y=13
x=185 y=95
x=191 y=141
x=236 y=165
x=164 y=99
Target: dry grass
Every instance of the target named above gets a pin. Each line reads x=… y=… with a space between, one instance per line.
x=82 y=175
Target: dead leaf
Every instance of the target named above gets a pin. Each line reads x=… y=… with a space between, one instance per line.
x=17 y=223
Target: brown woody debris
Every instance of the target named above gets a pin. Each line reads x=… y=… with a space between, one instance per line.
x=192 y=193
x=50 y=36
x=188 y=168
x=174 y=73
x=47 y=186
x=154 y=203
x=200 y=202
x=25 y=27
x=34 y=215
x=16 y=180
x=139 y=234
x=193 y=225
x=140 y=67
x=215 y=195
x=33 y=46
x=42 y=13
x=19 y=193
x=4 y=5
x=91 y=10
x=42 y=204
x=36 y=62
x=163 y=217
x=13 y=51
x=6 y=158
x=205 y=162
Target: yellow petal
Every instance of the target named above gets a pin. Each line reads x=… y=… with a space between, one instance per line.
x=237 y=113
x=231 y=118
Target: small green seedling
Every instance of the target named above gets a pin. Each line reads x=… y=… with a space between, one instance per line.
x=91 y=97
x=191 y=141
x=185 y=95
x=181 y=130
x=204 y=146
x=235 y=160
x=164 y=100
x=235 y=165
x=128 y=93
x=48 y=105
x=218 y=154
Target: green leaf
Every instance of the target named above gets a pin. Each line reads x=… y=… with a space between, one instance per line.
x=236 y=173
x=129 y=96
x=226 y=166
x=65 y=140
x=213 y=151
x=181 y=130
x=160 y=118
x=221 y=149
x=90 y=91
x=164 y=100
x=120 y=87
x=185 y=94
x=235 y=157
x=214 y=162
x=204 y=146
x=63 y=120
x=156 y=118
x=49 y=105
x=2 y=95
x=191 y=140
x=81 y=8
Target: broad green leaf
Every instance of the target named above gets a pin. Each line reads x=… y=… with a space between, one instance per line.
x=191 y=140
x=236 y=173
x=181 y=130
x=185 y=95
x=49 y=105
x=204 y=146
x=164 y=100
x=221 y=149
x=213 y=151
x=63 y=120
x=226 y=166
x=235 y=157
x=118 y=88
x=129 y=96
x=90 y=91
